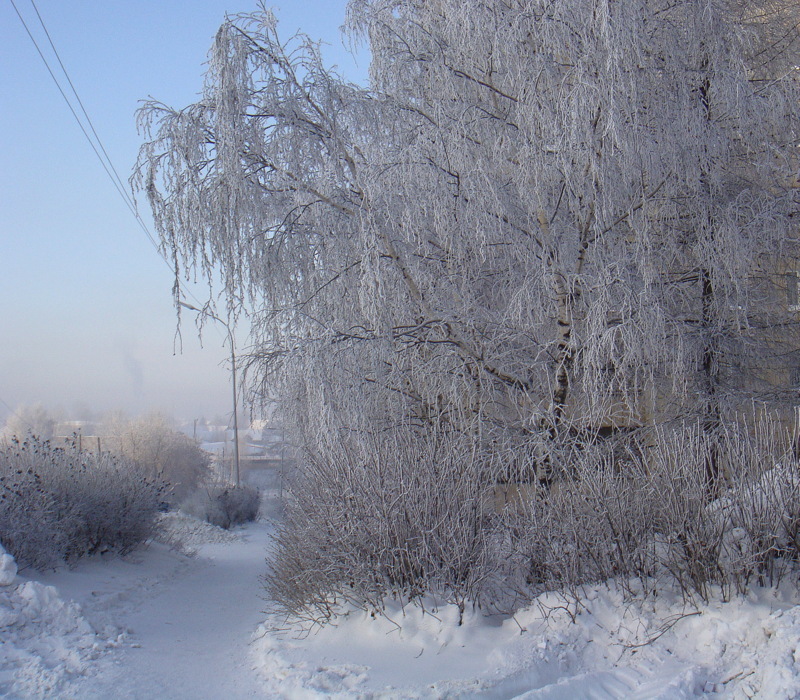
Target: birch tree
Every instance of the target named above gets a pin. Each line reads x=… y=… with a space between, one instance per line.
x=540 y=221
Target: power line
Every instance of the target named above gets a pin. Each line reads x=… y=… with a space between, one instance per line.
x=117 y=178
x=66 y=99
x=108 y=166
x=98 y=147
x=6 y=405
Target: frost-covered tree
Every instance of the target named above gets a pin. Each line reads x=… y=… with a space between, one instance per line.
x=160 y=451
x=542 y=220
x=30 y=420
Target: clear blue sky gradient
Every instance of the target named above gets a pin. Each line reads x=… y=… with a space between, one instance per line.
x=87 y=315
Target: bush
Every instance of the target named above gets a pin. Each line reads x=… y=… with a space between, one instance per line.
x=223 y=505
x=410 y=517
x=59 y=504
x=397 y=517
x=661 y=519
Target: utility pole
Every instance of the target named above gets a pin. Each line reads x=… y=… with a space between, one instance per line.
x=205 y=312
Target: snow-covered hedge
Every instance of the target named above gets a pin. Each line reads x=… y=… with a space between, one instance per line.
x=59 y=504
x=407 y=519
x=662 y=516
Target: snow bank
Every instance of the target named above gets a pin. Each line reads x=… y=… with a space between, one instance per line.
x=604 y=646
x=45 y=641
x=734 y=649
x=8 y=568
x=186 y=533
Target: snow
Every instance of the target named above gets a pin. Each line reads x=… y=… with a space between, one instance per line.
x=186 y=614
x=45 y=641
x=607 y=646
x=186 y=534
x=8 y=568
x=182 y=618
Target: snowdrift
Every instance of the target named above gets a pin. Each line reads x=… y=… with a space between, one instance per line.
x=46 y=642
x=602 y=645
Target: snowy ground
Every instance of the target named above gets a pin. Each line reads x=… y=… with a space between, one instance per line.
x=166 y=623
x=182 y=619
x=608 y=649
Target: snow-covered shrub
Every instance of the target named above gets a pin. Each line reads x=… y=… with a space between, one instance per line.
x=223 y=505
x=59 y=504
x=738 y=528
x=393 y=517
x=759 y=518
x=660 y=514
x=588 y=526
x=399 y=519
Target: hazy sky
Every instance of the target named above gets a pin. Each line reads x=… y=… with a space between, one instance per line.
x=87 y=314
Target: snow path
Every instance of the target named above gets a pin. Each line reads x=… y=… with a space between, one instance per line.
x=188 y=621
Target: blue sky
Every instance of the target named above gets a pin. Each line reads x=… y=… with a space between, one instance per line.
x=88 y=319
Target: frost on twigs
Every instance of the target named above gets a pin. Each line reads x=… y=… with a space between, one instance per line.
x=546 y=237
x=655 y=521
x=60 y=504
